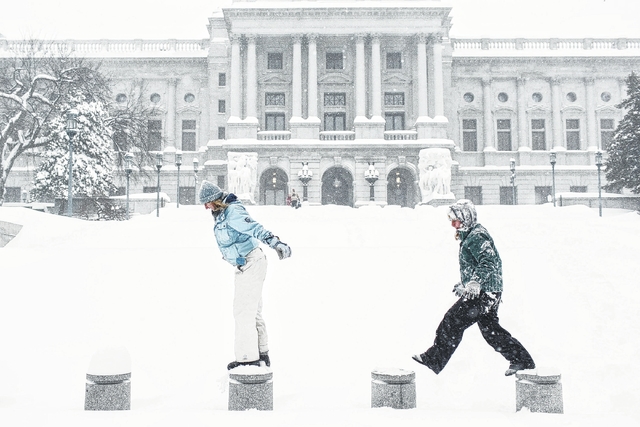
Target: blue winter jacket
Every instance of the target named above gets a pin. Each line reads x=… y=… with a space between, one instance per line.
x=479 y=259
x=237 y=233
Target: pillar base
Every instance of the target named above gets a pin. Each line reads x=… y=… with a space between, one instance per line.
x=369 y=129
x=304 y=128
x=539 y=391
x=393 y=388
x=108 y=392
x=250 y=388
x=242 y=129
x=428 y=127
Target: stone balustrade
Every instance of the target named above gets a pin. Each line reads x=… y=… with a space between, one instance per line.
x=337 y=135
x=403 y=135
x=274 y=135
x=587 y=45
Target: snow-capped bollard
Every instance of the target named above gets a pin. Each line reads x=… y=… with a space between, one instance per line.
x=394 y=388
x=250 y=387
x=108 y=385
x=539 y=390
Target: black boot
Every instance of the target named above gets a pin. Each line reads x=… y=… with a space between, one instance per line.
x=264 y=357
x=515 y=367
x=235 y=364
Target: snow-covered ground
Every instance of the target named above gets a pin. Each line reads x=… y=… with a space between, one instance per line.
x=365 y=288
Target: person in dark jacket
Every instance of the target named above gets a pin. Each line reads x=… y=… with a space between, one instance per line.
x=238 y=237
x=479 y=292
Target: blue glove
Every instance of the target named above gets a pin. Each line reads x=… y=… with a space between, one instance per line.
x=283 y=250
x=472 y=290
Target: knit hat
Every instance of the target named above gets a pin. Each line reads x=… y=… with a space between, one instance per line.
x=209 y=192
x=464 y=211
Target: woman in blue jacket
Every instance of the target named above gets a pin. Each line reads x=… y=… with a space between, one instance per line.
x=238 y=237
x=479 y=292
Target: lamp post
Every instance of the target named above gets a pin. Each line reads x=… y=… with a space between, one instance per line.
x=178 y=163
x=195 y=175
x=599 y=165
x=371 y=175
x=71 y=126
x=305 y=175
x=512 y=166
x=128 y=168
x=158 y=166
x=552 y=159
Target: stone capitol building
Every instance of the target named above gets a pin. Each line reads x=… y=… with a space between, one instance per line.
x=352 y=101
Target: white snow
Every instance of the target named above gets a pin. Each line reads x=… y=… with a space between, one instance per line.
x=364 y=288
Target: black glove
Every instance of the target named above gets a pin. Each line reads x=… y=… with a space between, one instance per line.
x=283 y=250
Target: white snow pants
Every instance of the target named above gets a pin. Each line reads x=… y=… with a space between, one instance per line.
x=251 y=332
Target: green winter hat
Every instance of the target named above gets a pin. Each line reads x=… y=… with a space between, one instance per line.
x=209 y=192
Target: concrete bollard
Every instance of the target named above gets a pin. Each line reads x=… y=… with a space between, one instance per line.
x=250 y=387
x=394 y=388
x=539 y=391
x=108 y=385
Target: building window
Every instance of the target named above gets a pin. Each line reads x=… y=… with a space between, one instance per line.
x=394 y=60
x=394 y=121
x=543 y=195
x=503 y=97
x=12 y=194
x=274 y=61
x=474 y=194
x=605 y=96
x=335 y=121
x=573 y=134
x=334 y=61
x=222 y=132
x=222 y=79
x=222 y=106
x=188 y=135
x=189 y=97
x=469 y=135
x=394 y=98
x=149 y=189
x=504 y=134
x=121 y=98
x=468 y=97
x=154 y=128
x=155 y=98
x=538 y=135
x=607 y=130
x=335 y=99
x=578 y=189
x=571 y=97
x=274 y=121
x=537 y=97
x=274 y=99
x=119 y=139
x=506 y=195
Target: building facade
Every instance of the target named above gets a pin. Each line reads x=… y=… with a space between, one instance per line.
x=313 y=96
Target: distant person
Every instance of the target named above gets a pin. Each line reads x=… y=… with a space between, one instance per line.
x=295 y=199
x=479 y=292
x=238 y=237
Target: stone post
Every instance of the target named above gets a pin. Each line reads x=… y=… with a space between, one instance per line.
x=108 y=385
x=250 y=388
x=539 y=391
x=393 y=388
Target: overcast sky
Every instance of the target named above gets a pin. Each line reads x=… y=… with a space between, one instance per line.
x=187 y=19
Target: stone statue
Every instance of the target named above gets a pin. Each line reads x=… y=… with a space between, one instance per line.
x=242 y=175
x=435 y=174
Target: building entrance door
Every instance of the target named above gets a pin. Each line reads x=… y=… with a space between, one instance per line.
x=337 y=187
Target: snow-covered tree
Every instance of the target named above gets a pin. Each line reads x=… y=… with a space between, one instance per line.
x=93 y=160
x=622 y=168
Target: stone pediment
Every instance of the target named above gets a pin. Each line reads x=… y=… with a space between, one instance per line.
x=274 y=79
x=188 y=109
x=607 y=109
x=335 y=78
x=469 y=111
x=538 y=109
x=396 y=79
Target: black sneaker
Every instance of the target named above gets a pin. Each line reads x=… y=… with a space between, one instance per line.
x=264 y=357
x=235 y=364
x=515 y=367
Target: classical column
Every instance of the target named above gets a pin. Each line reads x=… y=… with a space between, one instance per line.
x=361 y=87
x=171 y=113
x=438 y=78
x=235 y=109
x=523 y=141
x=296 y=78
x=252 y=77
x=556 y=114
x=488 y=115
x=376 y=77
x=592 y=126
x=312 y=90
x=422 y=76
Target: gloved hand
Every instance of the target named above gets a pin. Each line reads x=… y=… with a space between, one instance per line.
x=472 y=290
x=283 y=250
x=458 y=289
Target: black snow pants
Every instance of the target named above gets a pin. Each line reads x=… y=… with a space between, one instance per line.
x=464 y=313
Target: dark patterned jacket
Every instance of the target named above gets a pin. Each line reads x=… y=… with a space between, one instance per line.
x=479 y=259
